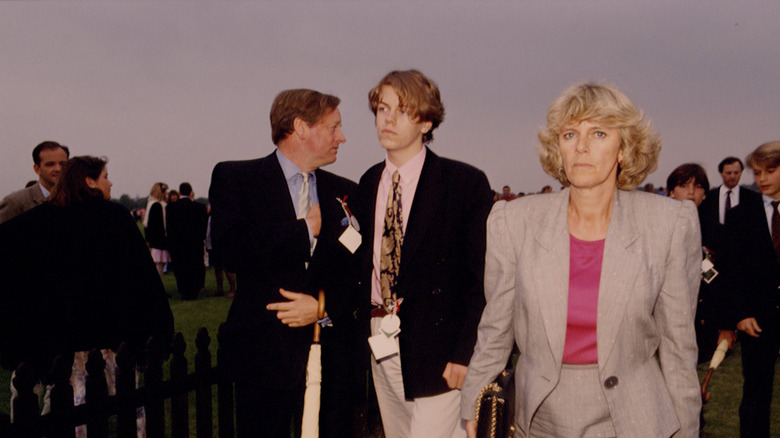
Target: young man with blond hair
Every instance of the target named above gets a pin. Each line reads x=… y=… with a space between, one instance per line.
x=423 y=219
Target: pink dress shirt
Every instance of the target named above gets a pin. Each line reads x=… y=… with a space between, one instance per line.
x=410 y=176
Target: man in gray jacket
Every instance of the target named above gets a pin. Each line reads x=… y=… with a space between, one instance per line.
x=48 y=159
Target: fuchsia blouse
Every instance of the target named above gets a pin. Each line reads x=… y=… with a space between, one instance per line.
x=584 y=278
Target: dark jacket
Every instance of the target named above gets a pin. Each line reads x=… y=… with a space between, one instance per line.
x=254 y=226
x=751 y=267
x=186 y=227
x=442 y=268
x=77 y=278
x=155 y=229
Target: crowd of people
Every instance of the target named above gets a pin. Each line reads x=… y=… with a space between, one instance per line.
x=609 y=295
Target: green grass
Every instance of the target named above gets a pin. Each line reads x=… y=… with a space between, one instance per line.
x=721 y=413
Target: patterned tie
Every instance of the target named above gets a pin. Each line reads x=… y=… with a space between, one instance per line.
x=728 y=200
x=304 y=201
x=776 y=229
x=392 y=239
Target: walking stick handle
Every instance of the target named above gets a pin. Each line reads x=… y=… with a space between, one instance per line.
x=320 y=315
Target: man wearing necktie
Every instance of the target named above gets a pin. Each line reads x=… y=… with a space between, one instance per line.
x=723 y=198
x=423 y=220
x=753 y=270
x=277 y=222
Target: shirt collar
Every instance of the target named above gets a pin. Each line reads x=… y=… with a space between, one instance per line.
x=410 y=170
x=767 y=200
x=289 y=169
x=45 y=192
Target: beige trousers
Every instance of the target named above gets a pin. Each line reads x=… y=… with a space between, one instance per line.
x=424 y=417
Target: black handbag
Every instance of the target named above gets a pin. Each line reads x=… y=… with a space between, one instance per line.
x=496 y=406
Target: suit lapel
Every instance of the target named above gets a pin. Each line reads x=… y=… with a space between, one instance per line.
x=427 y=198
x=269 y=184
x=618 y=273
x=330 y=211
x=37 y=194
x=551 y=260
x=368 y=213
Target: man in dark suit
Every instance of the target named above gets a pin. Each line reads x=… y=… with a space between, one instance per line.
x=277 y=222
x=48 y=159
x=432 y=211
x=186 y=227
x=726 y=196
x=753 y=267
x=715 y=212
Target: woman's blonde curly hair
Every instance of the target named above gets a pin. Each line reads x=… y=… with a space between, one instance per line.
x=640 y=144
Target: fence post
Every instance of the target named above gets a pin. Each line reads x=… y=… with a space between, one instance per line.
x=179 y=403
x=97 y=395
x=203 y=407
x=153 y=377
x=224 y=391
x=61 y=398
x=125 y=391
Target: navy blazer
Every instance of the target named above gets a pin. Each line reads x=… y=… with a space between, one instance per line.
x=442 y=266
x=255 y=229
x=751 y=266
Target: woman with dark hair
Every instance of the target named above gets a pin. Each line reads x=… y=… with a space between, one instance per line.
x=78 y=275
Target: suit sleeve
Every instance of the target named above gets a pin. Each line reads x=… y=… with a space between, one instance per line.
x=495 y=338
x=674 y=313
x=9 y=208
x=245 y=242
x=477 y=210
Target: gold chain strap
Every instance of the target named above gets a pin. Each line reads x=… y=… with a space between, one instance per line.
x=493 y=408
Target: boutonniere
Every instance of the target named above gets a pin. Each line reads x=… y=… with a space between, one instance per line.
x=349 y=218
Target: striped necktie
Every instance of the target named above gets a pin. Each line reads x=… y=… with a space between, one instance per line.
x=304 y=200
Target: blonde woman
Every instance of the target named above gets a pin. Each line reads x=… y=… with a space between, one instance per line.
x=154 y=223
x=596 y=285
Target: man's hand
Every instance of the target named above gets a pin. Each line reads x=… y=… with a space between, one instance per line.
x=300 y=311
x=471 y=428
x=728 y=335
x=314 y=219
x=749 y=326
x=454 y=374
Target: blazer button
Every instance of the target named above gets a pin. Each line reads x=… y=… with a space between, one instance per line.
x=611 y=382
x=436 y=291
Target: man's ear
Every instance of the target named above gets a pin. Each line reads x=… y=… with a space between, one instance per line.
x=300 y=127
x=37 y=169
x=426 y=126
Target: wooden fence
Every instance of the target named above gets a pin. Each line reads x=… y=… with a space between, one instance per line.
x=152 y=394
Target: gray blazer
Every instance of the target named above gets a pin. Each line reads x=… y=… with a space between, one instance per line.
x=647 y=299
x=20 y=201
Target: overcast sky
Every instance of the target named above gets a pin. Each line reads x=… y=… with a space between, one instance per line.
x=167 y=89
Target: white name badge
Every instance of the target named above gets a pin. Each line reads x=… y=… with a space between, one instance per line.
x=385 y=344
x=708 y=272
x=351 y=239
x=383 y=347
